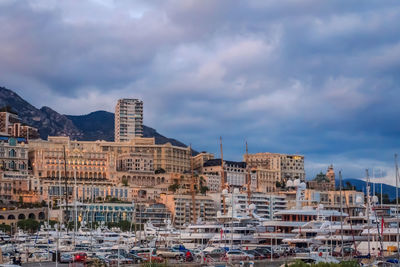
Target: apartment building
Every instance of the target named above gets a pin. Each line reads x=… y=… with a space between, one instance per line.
x=274 y=167
x=84 y=160
x=166 y=157
x=13 y=167
x=200 y=159
x=10 y=125
x=128 y=119
x=266 y=205
x=235 y=173
x=181 y=208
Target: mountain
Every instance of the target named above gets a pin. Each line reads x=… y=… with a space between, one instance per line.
x=98 y=125
x=48 y=121
x=360 y=185
x=101 y=123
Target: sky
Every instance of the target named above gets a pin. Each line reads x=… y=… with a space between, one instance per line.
x=317 y=78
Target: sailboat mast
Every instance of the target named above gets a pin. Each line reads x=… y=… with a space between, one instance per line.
x=223 y=185
x=192 y=189
x=248 y=176
x=368 y=219
x=397 y=202
x=341 y=212
x=66 y=190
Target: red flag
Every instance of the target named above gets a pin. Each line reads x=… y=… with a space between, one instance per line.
x=383 y=222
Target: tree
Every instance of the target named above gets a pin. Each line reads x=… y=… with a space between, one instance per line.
x=29 y=225
x=173 y=187
x=5 y=228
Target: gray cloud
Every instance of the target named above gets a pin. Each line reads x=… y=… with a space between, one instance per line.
x=311 y=77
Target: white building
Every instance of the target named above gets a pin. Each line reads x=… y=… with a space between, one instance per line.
x=266 y=205
x=128 y=119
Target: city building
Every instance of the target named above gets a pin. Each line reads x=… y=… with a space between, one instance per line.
x=7 y=119
x=323 y=182
x=100 y=212
x=10 y=125
x=155 y=213
x=166 y=157
x=266 y=205
x=200 y=159
x=235 y=173
x=13 y=168
x=135 y=162
x=84 y=159
x=274 y=170
x=181 y=208
x=352 y=201
x=128 y=119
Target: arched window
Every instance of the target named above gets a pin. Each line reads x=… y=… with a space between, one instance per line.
x=12 y=153
x=12 y=165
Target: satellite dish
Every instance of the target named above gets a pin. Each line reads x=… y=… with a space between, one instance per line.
x=252 y=207
x=289 y=183
x=296 y=182
x=236 y=190
x=225 y=191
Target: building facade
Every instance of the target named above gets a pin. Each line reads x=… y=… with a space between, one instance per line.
x=274 y=167
x=181 y=207
x=13 y=168
x=128 y=119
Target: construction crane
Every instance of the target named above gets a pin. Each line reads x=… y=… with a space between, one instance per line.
x=192 y=189
x=223 y=182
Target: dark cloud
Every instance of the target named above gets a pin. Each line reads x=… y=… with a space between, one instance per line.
x=310 y=77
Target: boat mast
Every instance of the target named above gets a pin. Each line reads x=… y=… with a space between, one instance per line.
x=192 y=190
x=341 y=211
x=368 y=205
x=397 y=202
x=223 y=184
x=248 y=177
x=66 y=190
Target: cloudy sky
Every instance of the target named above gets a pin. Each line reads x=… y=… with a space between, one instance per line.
x=319 y=78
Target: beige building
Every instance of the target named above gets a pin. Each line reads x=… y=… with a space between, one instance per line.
x=84 y=159
x=135 y=162
x=323 y=182
x=267 y=179
x=200 y=159
x=273 y=167
x=181 y=208
x=352 y=201
x=13 y=168
x=11 y=125
x=128 y=119
x=166 y=157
